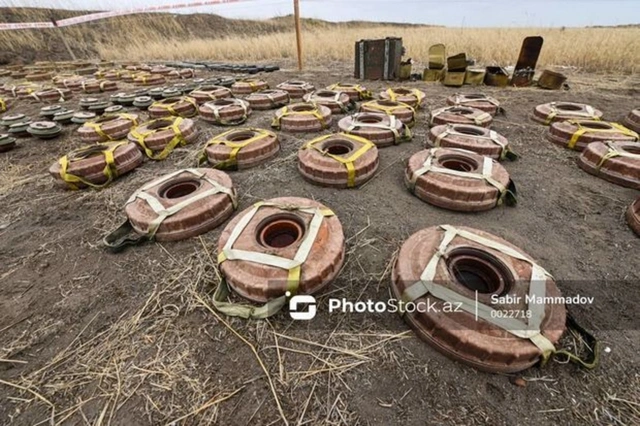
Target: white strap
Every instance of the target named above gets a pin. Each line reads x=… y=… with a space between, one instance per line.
x=487 y=170
x=537 y=289
x=392 y=125
x=217 y=108
x=462 y=99
x=618 y=153
x=477 y=120
x=270 y=260
x=164 y=212
x=493 y=136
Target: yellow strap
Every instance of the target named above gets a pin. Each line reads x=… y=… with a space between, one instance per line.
x=232 y=161
x=178 y=138
x=251 y=83
x=612 y=153
x=172 y=111
x=97 y=127
x=110 y=170
x=391 y=109
x=415 y=92
x=3 y=105
x=554 y=112
x=349 y=161
x=362 y=92
x=284 y=112
x=617 y=128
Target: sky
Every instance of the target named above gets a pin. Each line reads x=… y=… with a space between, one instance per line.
x=456 y=13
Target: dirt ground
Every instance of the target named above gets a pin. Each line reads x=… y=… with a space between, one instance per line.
x=89 y=337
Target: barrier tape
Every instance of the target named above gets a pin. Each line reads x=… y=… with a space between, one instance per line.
x=103 y=15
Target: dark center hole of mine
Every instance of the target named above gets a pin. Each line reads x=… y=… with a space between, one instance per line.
x=281 y=232
x=338 y=147
x=370 y=119
x=568 y=107
x=475 y=96
x=159 y=124
x=326 y=94
x=596 y=125
x=403 y=91
x=632 y=150
x=180 y=189
x=240 y=136
x=478 y=271
x=388 y=103
x=462 y=111
x=459 y=164
x=468 y=131
x=106 y=118
x=301 y=108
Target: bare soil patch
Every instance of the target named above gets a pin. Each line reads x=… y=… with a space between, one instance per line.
x=127 y=339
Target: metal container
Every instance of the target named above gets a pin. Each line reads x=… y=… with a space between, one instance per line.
x=551 y=80
x=378 y=59
x=454 y=78
x=437 y=54
x=474 y=76
x=527 y=60
x=405 y=71
x=457 y=62
x=496 y=76
x=433 y=75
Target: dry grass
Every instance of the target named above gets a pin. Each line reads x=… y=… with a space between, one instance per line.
x=588 y=49
x=145 y=360
x=171 y=37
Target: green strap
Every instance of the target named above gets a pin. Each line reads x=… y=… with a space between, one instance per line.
x=292 y=266
x=593 y=360
x=240 y=310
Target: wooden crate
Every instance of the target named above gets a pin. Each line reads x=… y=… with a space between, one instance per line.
x=378 y=59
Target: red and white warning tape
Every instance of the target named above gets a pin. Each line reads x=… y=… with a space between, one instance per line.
x=102 y=15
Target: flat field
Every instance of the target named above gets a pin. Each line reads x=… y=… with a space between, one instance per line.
x=88 y=337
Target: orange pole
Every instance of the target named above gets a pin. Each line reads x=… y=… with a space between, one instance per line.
x=296 y=12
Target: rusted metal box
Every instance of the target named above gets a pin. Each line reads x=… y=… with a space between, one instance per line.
x=457 y=62
x=475 y=76
x=551 y=80
x=454 y=78
x=496 y=76
x=378 y=59
x=433 y=75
